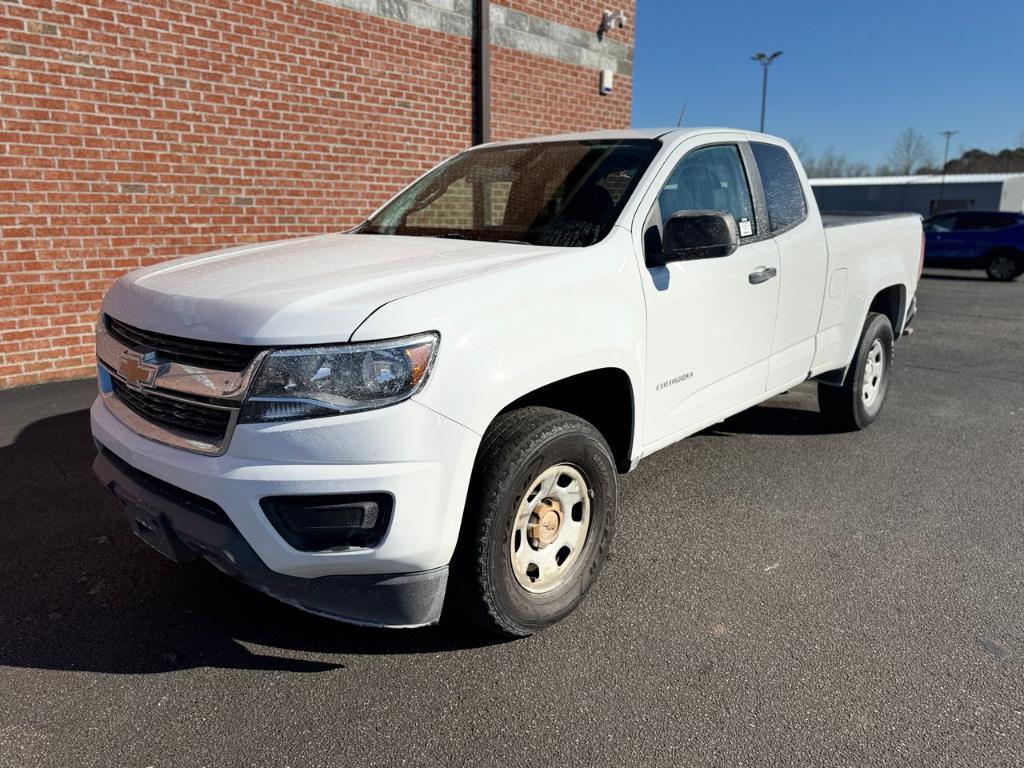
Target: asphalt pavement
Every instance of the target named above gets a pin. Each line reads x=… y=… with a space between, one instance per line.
x=778 y=595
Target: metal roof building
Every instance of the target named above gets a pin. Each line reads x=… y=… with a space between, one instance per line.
x=921 y=194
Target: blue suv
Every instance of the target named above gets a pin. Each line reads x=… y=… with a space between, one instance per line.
x=989 y=240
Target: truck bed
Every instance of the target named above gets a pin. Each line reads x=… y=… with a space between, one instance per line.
x=864 y=254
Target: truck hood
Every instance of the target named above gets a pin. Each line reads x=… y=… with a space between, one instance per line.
x=307 y=291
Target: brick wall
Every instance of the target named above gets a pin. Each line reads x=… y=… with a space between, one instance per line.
x=133 y=132
x=554 y=97
x=582 y=14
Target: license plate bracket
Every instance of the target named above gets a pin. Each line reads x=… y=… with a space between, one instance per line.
x=154 y=528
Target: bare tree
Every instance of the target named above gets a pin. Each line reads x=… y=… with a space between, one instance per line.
x=911 y=152
x=857 y=168
x=803 y=149
x=833 y=164
x=829 y=165
x=1020 y=140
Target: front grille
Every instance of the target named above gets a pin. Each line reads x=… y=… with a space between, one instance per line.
x=192 y=417
x=207 y=354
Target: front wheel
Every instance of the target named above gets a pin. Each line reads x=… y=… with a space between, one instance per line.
x=539 y=520
x=859 y=400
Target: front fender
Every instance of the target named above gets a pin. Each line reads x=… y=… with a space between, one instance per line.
x=506 y=334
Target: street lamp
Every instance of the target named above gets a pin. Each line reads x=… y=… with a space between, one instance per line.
x=765 y=61
x=945 y=158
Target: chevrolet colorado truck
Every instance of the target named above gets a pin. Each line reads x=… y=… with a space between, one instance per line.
x=432 y=408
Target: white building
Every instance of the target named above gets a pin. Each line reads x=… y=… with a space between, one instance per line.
x=921 y=194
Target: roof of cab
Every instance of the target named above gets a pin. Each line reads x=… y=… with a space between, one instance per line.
x=623 y=133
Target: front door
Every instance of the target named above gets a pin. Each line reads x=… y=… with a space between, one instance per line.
x=709 y=321
x=941 y=244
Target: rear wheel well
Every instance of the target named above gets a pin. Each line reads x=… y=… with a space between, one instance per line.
x=890 y=302
x=603 y=397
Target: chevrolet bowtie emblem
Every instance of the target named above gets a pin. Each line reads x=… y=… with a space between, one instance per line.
x=137 y=370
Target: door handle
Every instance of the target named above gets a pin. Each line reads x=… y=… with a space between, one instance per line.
x=761 y=274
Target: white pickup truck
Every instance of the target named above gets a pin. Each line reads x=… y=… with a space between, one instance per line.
x=438 y=402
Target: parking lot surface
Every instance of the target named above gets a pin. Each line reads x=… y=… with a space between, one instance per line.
x=778 y=595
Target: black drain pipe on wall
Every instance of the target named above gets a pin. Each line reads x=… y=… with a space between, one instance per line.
x=481 y=71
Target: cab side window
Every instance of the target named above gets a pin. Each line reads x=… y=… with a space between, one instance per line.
x=783 y=192
x=709 y=179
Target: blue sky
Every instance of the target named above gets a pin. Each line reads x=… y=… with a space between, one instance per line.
x=852 y=76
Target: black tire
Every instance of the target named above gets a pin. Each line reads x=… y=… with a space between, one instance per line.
x=517 y=447
x=1004 y=265
x=844 y=408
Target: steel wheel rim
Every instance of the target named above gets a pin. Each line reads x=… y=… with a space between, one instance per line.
x=540 y=565
x=874 y=370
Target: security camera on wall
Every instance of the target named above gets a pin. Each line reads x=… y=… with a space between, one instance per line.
x=611 y=20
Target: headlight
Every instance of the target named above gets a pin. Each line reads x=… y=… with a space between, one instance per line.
x=325 y=381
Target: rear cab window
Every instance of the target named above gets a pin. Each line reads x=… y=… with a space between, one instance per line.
x=783 y=192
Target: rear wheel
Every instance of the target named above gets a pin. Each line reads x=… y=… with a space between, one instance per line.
x=538 y=523
x=859 y=400
x=1004 y=265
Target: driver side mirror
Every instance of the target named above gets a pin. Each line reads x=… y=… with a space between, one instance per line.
x=696 y=235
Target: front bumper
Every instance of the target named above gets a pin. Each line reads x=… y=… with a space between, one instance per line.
x=421 y=459
x=183 y=526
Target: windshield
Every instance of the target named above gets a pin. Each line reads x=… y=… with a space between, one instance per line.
x=562 y=193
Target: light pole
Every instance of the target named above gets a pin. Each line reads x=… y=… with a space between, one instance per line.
x=765 y=61
x=945 y=158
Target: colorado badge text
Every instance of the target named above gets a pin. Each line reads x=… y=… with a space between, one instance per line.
x=676 y=380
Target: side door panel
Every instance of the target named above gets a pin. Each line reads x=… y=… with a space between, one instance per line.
x=963 y=244
x=939 y=239
x=709 y=334
x=803 y=253
x=709 y=328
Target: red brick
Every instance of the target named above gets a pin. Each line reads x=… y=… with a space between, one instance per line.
x=136 y=131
